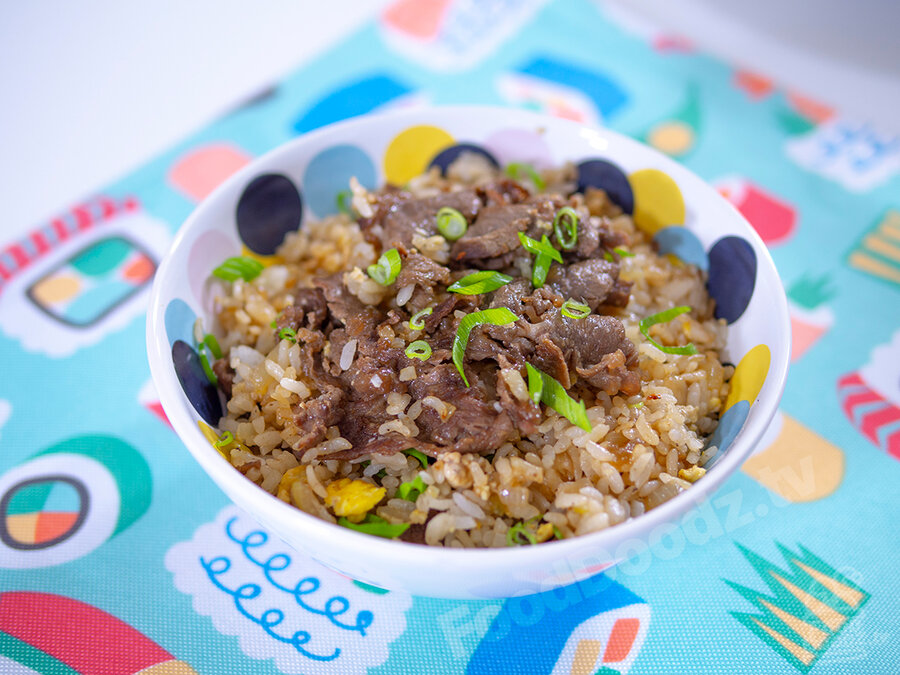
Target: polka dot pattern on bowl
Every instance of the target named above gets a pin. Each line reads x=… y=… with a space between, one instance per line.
x=271 y=205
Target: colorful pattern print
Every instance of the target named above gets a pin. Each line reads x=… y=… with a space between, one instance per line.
x=809 y=607
x=45 y=633
x=108 y=521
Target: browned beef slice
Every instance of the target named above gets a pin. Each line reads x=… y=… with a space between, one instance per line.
x=425 y=274
x=314 y=417
x=418 y=216
x=526 y=415
x=309 y=310
x=345 y=307
x=474 y=426
x=504 y=191
x=494 y=233
x=591 y=281
x=224 y=374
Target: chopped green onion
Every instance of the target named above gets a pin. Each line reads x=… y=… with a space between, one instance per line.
x=411 y=489
x=519 y=535
x=477 y=283
x=623 y=253
x=535 y=384
x=288 y=333
x=373 y=524
x=387 y=268
x=545 y=254
x=553 y=394
x=608 y=257
x=539 y=270
x=575 y=310
x=663 y=317
x=418 y=350
x=274 y=324
x=417 y=322
x=343 y=199
x=516 y=169
x=204 y=363
x=556 y=533
x=451 y=223
x=412 y=452
x=565 y=227
x=210 y=341
x=499 y=316
x=540 y=247
x=241 y=267
x=224 y=441
x=636 y=406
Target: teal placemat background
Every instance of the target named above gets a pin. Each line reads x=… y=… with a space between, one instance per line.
x=113 y=542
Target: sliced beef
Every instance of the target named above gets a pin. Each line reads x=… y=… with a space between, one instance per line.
x=406 y=217
x=591 y=281
x=309 y=310
x=494 y=233
x=423 y=273
x=315 y=416
x=504 y=191
x=224 y=374
x=476 y=424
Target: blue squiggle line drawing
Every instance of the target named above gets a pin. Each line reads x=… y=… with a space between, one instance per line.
x=334 y=606
x=270 y=618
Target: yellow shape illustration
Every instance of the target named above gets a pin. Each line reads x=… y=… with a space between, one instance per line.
x=410 y=152
x=749 y=376
x=657 y=200
x=799 y=465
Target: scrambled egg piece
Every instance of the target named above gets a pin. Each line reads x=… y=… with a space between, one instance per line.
x=353 y=498
x=544 y=532
x=692 y=474
x=290 y=477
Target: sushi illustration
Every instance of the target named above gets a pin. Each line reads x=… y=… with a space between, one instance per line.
x=81 y=276
x=69 y=499
x=452 y=34
x=595 y=626
x=773 y=218
x=48 y=633
x=811 y=317
x=870 y=397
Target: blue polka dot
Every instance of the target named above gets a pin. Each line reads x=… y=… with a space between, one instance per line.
x=446 y=157
x=329 y=174
x=196 y=386
x=683 y=243
x=730 y=425
x=180 y=320
x=608 y=177
x=269 y=208
x=732 y=277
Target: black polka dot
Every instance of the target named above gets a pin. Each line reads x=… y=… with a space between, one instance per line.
x=197 y=387
x=608 y=177
x=269 y=208
x=446 y=157
x=732 y=277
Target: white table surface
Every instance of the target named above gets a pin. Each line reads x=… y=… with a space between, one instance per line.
x=92 y=89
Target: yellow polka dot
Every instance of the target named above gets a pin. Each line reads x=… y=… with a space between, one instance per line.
x=56 y=289
x=409 y=153
x=672 y=138
x=749 y=376
x=212 y=437
x=657 y=200
x=264 y=259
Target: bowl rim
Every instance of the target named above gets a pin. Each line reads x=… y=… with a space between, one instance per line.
x=221 y=471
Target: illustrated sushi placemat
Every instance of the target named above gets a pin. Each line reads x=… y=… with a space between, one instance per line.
x=104 y=516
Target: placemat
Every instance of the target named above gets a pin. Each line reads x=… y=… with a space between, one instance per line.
x=118 y=555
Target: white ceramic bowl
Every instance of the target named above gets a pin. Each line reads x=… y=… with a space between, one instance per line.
x=303 y=177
